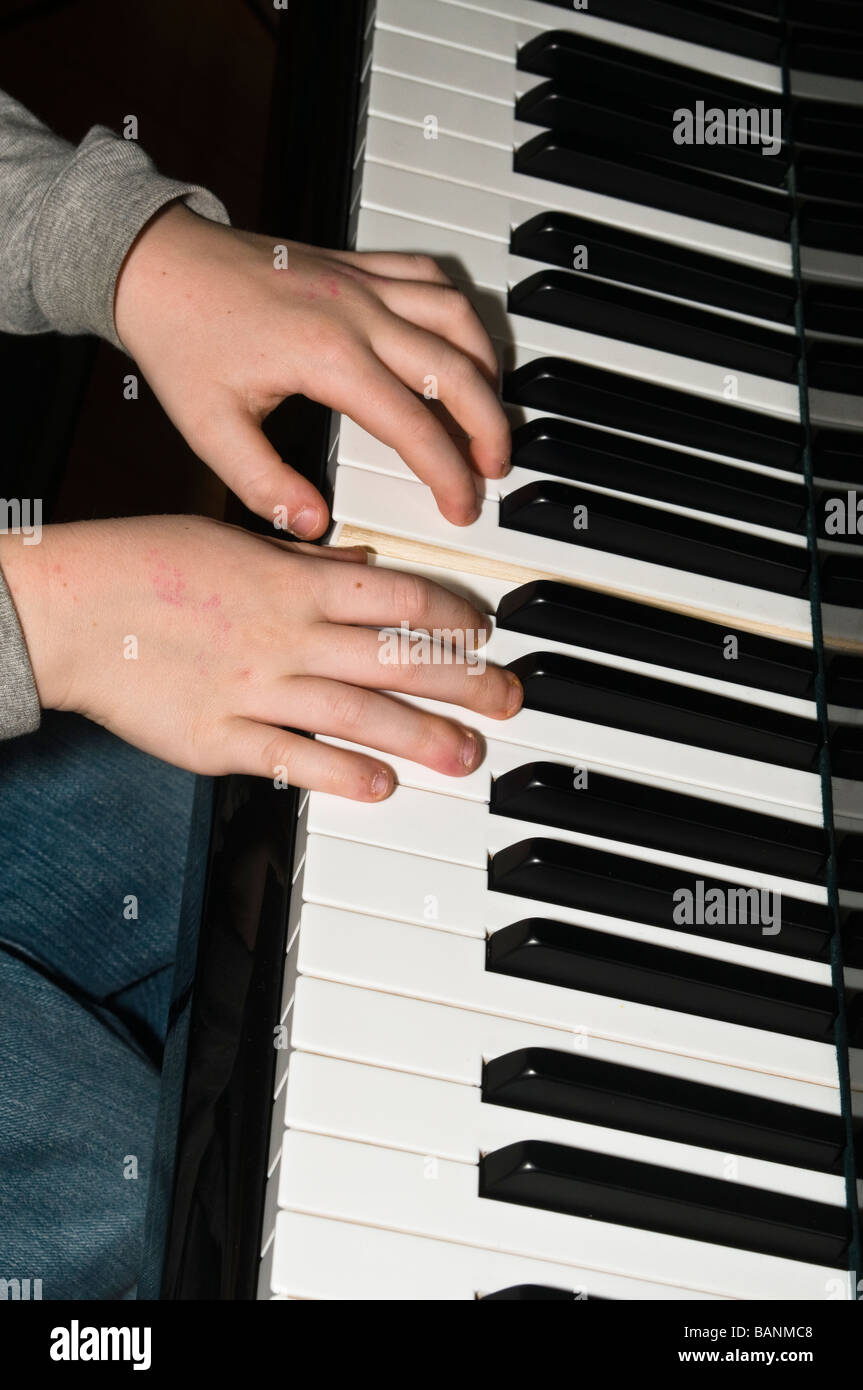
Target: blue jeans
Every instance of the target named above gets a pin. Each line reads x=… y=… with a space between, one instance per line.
x=94 y=850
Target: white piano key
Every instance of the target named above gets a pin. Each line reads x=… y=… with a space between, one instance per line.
x=312 y=1257
x=684 y=764
x=441 y=967
x=466 y=833
x=451 y=897
x=452 y=70
x=498 y=28
x=485 y=262
x=463 y=164
x=412 y=1035
x=385 y=1188
x=457 y=114
x=400 y=507
x=375 y=1105
x=505 y=647
x=503 y=757
x=442 y=69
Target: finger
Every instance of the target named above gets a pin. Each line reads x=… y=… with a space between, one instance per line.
x=235 y=447
x=394 y=265
x=260 y=750
x=372 y=396
x=414 y=355
x=445 y=312
x=354 y=554
x=384 y=597
x=376 y=721
x=389 y=661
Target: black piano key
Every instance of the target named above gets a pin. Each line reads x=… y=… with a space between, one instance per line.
x=667 y=475
x=590 y=1091
x=601 y=397
x=835 y=367
x=648 y=263
x=614 y=808
x=637 y=177
x=827 y=125
x=850 y=862
x=852 y=940
x=855 y=1021
x=844 y=679
x=846 y=752
x=838 y=454
x=652 y=534
x=831 y=14
x=603 y=1187
x=830 y=226
x=578 y=689
x=696 y=21
x=592 y=880
x=616 y=311
x=639 y=122
x=534 y=1293
x=813 y=50
x=596 y=962
x=601 y=622
x=829 y=174
x=833 y=309
x=842 y=581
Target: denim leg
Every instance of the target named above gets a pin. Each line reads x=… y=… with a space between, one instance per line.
x=77 y=1113
x=94 y=850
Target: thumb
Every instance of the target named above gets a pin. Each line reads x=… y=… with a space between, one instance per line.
x=239 y=452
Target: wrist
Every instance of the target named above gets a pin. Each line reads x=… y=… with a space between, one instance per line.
x=147 y=274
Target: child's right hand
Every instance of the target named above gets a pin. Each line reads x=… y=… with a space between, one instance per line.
x=203 y=644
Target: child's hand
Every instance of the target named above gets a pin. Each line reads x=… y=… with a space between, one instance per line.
x=222 y=336
x=202 y=644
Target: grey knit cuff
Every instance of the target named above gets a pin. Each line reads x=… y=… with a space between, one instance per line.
x=88 y=220
x=19 y=702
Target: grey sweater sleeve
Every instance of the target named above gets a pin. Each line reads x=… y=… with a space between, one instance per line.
x=67 y=219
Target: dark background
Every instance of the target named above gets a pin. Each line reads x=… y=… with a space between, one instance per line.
x=198 y=74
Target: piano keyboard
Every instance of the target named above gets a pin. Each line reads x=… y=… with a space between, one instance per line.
x=504 y=1068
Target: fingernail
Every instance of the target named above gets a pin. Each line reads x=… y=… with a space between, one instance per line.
x=506 y=467
x=469 y=750
x=306 y=521
x=380 y=783
x=515 y=694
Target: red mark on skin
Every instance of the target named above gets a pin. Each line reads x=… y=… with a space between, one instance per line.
x=244 y=673
x=332 y=284
x=169 y=586
x=56 y=569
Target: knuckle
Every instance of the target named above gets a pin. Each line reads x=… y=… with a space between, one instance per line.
x=427 y=268
x=349 y=707
x=419 y=426
x=411 y=597
x=278 y=752
x=460 y=370
x=458 y=303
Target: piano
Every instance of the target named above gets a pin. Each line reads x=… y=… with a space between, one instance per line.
x=586 y=1024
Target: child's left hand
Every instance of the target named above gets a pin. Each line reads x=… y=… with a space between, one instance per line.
x=223 y=335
